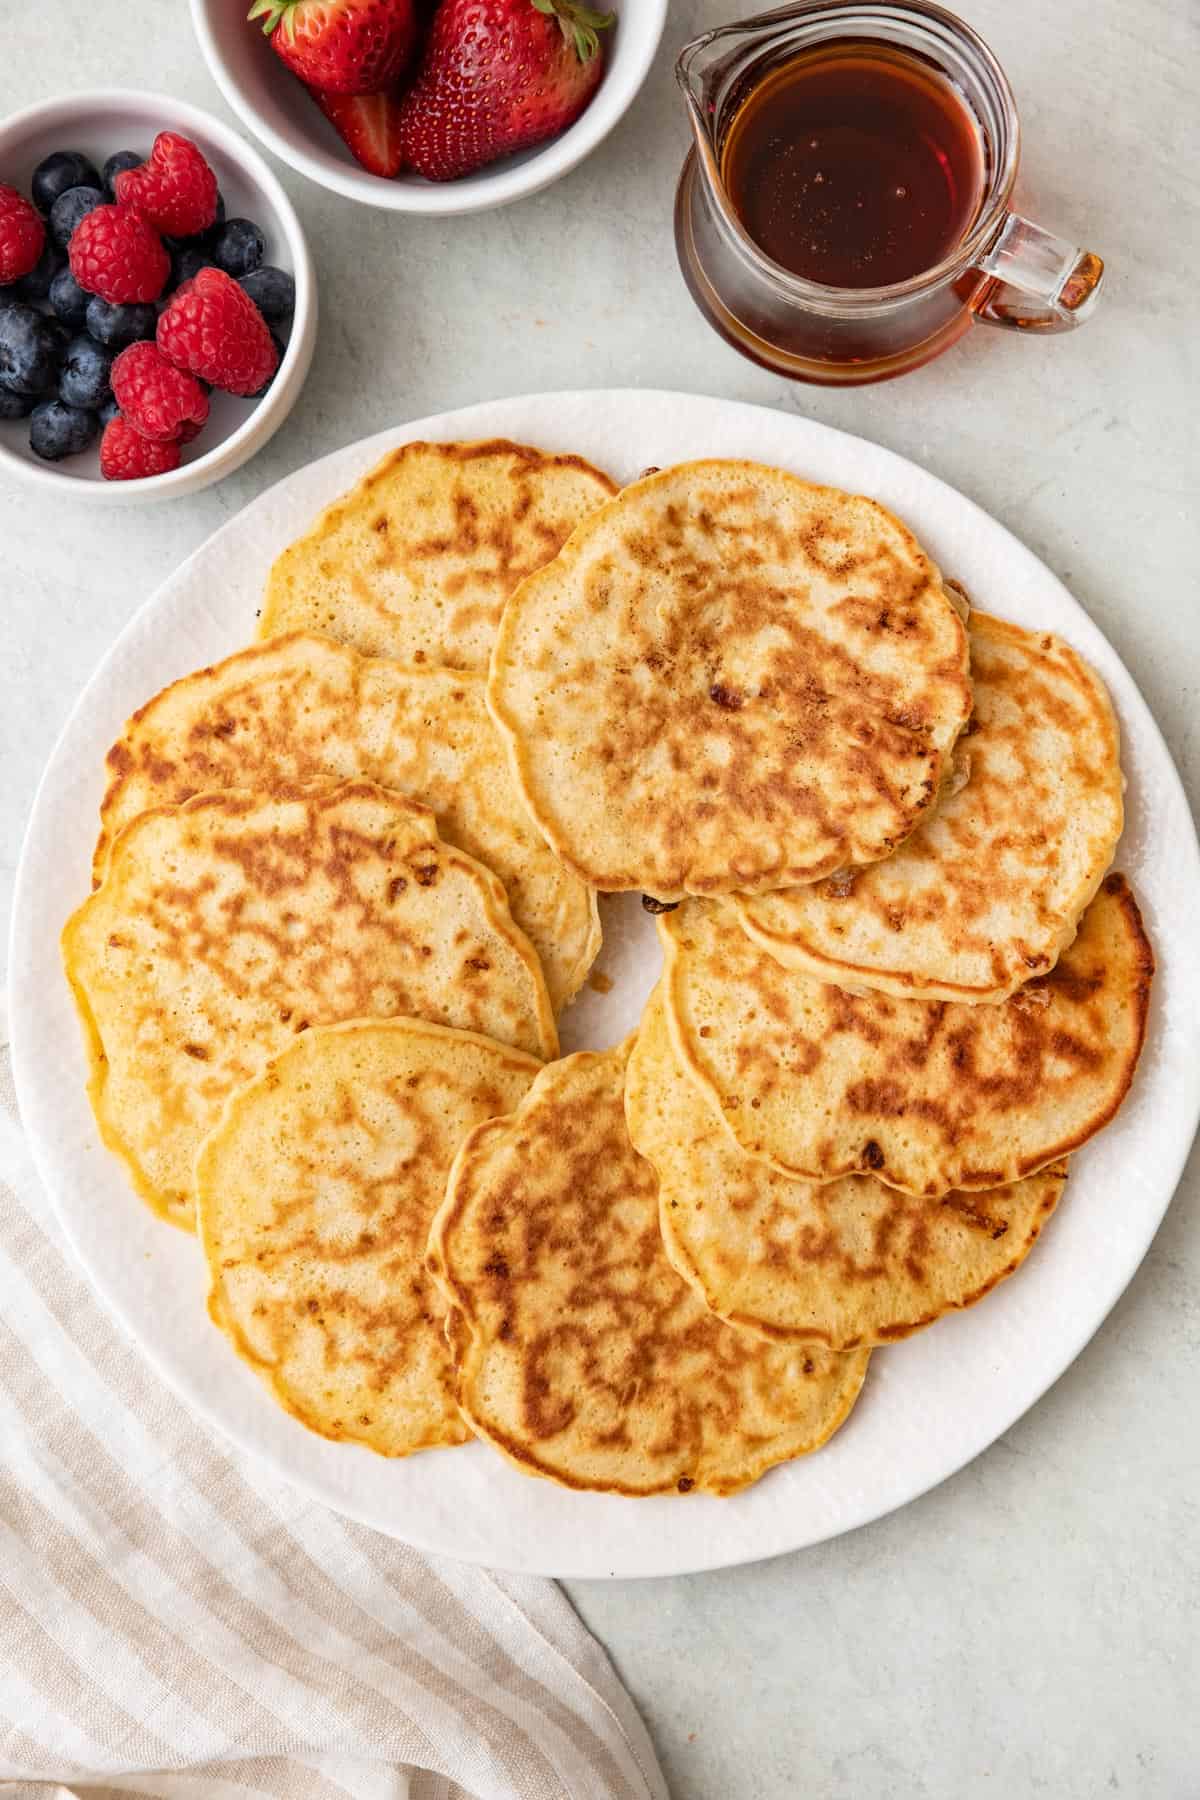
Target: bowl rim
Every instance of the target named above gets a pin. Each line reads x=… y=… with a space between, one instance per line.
x=473 y=193
x=269 y=414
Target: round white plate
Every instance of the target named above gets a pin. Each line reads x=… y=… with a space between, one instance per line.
x=929 y=1404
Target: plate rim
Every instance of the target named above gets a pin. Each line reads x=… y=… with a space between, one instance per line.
x=239 y=1434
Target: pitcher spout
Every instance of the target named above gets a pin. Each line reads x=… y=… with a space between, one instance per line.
x=714 y=70
x=691 y=70
x=703 y=71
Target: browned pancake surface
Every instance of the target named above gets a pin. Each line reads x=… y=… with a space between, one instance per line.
x=842 y=1263
x=314 y=1197
x=227 y=926
x=730 y=680
x=927 y=1095
x=583 y=1356
x=302 y=708
x=987 y=891
x=417 y=560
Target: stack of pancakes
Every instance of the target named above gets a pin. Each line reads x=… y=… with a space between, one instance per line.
x=347 y=878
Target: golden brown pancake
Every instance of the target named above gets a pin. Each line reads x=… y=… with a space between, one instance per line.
x=314 y=1198
x=988 y=890
x=582 y=1355
x=227 y=926
x=928 y=1095
x=730 y=680
x=842 y=1263
x=301 y=708
x=417 y=560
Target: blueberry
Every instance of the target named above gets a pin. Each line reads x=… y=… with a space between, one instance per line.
x=69 y=208
x=116 y=165
x=107 y=411
x=68 y=301
x=31 y=349
x=58 y=172
x=56 y=430
x=15 y=406
x=117 y=326
x=238 y=247
x=187 y=260
x=273 y=292
x=84 y=379
x=36 y=285
x=281 y=352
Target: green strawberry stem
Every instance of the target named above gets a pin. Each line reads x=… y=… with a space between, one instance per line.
x=273 y=13
x=579 y=23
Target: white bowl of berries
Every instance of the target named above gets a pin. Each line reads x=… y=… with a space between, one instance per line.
x=157 y=299
x=430 y=106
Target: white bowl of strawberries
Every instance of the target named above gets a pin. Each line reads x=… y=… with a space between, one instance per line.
x=157 y=298
x=430 y=106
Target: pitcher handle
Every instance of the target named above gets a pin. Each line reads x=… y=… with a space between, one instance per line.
x=1042 y=283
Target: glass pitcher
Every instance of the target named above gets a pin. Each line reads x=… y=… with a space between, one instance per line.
x=1004 y=271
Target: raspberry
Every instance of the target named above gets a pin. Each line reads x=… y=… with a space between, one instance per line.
x=22 y=235
x=212 y=328
x=160 y=401
x=125 y=455
x=175 y=188
x=115 y=252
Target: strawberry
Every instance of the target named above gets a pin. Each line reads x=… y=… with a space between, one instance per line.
x=341 y=46
x=368 y=125
x=498 y=76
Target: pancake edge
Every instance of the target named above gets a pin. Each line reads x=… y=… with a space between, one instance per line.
x=459 y=450
x=1115 y=884
x=792 y=955
x=221 y=1319
x=463 y=1334
x=505 y=725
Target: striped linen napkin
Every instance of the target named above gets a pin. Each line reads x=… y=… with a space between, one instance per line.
x=177 y=1621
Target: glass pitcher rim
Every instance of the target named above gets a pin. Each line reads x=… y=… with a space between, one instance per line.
x=993 y=210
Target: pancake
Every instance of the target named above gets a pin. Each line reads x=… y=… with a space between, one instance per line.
x=314 y=1198
x=417 y=560
x=226 y=926
x=583 y=1356
x=928 y=1095
x=301 y=708
x=989 y=890
x=842 y=1263
x=730 y=680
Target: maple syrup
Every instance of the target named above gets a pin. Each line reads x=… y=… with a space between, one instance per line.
x=854 y=164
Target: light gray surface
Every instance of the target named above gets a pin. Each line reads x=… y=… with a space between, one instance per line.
x=1032 y=1627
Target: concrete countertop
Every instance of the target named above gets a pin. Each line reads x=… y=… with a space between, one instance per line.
x=1033 y=1626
